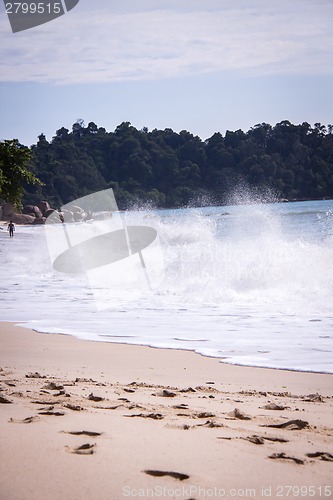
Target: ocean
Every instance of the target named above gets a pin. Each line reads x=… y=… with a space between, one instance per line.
x=250 y=284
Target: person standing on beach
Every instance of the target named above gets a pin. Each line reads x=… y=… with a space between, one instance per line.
x=11 y=229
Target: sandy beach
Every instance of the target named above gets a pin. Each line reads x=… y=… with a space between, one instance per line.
x=93 y=420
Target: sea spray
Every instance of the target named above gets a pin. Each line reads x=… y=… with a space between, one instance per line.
x=243 y=258
x=251 y=284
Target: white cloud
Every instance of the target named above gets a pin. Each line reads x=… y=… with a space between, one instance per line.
x=102 y=45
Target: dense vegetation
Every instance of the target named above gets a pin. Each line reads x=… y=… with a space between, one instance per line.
x=14 y=172
x=170 y=169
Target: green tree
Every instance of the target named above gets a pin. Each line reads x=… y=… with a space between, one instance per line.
x=14 y=173
x=172 y=169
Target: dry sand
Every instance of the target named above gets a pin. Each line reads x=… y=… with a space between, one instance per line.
x=91 y=420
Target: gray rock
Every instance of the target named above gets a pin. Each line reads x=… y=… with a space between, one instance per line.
x=32 y=209
x=7 y=210
x=43 y=206
x=67 y=215
x=39 y=220
x=48 y=212
x=22 y=219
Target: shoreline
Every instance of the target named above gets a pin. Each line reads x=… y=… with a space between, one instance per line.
x=23 y=324
x=100 y=420
x=143 y=349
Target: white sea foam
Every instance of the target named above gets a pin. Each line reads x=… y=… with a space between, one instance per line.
x=250 y=284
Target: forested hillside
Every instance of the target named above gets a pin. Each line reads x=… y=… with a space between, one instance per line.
x=170 y=169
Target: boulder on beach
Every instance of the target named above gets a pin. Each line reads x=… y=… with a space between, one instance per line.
x=7 y=210
x=49 y=212
x=22 y=219
x=54 y=217
x=32 y=209
x=67 y=215
x=37 y=214
x=43 y=206
x=27 y=209
x=39 y=220
x=8 y=214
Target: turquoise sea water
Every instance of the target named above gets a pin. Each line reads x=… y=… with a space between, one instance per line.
x=250 y=284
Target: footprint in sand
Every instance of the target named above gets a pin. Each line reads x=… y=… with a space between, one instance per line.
x=35 y=375
x=84 y=449
x=92 y=397
x=283 y=456
x=74 y=407
x=274 y=406
x=236 y=413
x=89 y=380
x=290 y=425
x=46 y=403
x=313 y=398
x=165 y=394
x=5 y=401
x=210 y=424
x=52 y=386
x=84 y=433
x=255 y=439
x=323 y=455
x=11 y=383
x=159 y=473
x=27 y=420
x=205 y=414
x=52 y=413
x=154 y=416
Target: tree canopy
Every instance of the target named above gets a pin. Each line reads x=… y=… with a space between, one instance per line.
x=171 y=169
x=14 y=173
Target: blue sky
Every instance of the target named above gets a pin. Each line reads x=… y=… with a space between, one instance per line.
x=200 y=65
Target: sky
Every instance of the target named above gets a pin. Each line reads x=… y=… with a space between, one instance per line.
x=204 y=66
